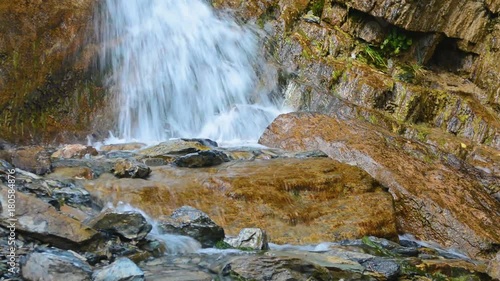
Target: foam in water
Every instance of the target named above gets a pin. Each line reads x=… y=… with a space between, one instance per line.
x=174 y=244
x=179 y=70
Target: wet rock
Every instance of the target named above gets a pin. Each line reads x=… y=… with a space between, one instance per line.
x=122 y=146
x=194 y=223
x=34 y=159
x=295 y=200
x=74 y=151
x=97 y=166
x=382 y=268
x=55 y=265
x=424 y=201
x=308 y=154
x=455 y=268
x=276 y=269
x=115 y=247
x=153 y=162
x=206 y=142
x=249 y=238
x=179 y=268
x=174 y=147
x=153 y=246
x=120 y=154
x=129 y=225
x=494 y=267
x=68 y=192
x=202 y=159
x=5 y=167
x=340 y=266
x=129 y=168
x=240 y=154
x=42 y=221
x=122 y=269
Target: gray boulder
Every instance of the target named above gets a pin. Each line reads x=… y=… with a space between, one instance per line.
x=55 y=265
x=122 y=269
x=250 y=238
x=129 y=225
x=192 y=222
x=202 y=159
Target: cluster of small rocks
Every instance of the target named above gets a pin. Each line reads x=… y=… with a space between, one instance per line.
x=64 y=234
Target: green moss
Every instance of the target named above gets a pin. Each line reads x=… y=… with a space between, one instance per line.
x=15 y=59
x=378 y=248
x=463 y=117
x=222 y=245
x=317 y=7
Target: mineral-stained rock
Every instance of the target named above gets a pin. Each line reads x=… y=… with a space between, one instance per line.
x=122 y=269
x=129 y=225
x=194 y=223
x=433 y=200
x=34 y=159
x=253 y=238
x=295 y=200
x=129 y=168
x=43 y=222
x=55 y=265
x=47 y=51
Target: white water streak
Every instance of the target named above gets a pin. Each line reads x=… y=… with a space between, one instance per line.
x=182 y=71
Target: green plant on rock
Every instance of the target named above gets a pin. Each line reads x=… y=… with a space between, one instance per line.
x=373 y=56
x=395 y=43
x=317 y=7
x=411 y=73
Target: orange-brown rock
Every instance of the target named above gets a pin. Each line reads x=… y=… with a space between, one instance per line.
x=34 y=159
x=43 y=222
x=294 y=200
x=46 y=89
x=74 y=151
x=63 y=173
x=433 y=200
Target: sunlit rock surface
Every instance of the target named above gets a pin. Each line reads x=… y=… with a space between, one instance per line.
x=294 y=200
x=433 y=200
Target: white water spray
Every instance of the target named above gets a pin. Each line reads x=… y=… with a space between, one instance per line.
x=179 y=70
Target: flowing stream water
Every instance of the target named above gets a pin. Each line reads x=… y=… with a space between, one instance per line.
x=179 y=69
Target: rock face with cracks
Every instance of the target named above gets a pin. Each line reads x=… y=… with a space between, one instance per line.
x=433 y=200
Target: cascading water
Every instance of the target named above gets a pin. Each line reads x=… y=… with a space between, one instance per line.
x=179 y=70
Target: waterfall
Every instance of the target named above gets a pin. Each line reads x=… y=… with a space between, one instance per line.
x=181 y=70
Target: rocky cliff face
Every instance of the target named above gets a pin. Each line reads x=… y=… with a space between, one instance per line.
x=47 y=91
x=428 y=72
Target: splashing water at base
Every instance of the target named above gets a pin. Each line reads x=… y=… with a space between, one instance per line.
x=179 y=70
x=174 y=244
